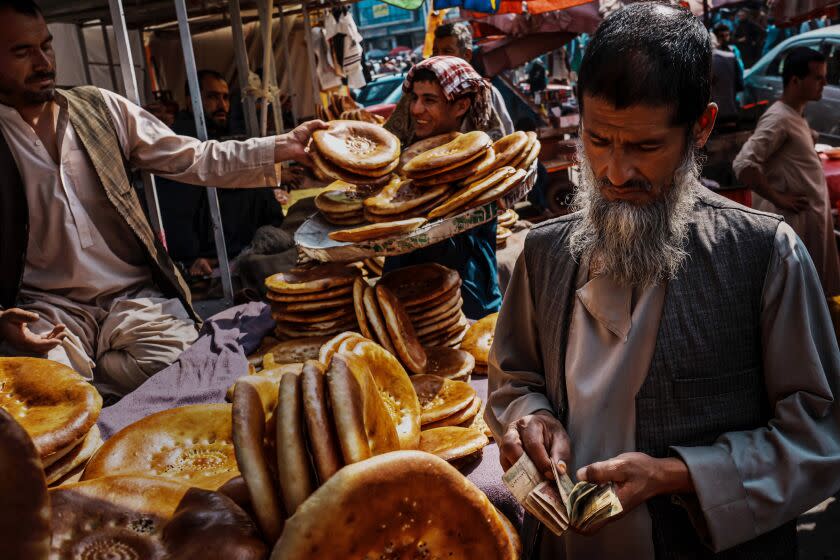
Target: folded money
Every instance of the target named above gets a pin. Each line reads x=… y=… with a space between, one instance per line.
x=559 y=504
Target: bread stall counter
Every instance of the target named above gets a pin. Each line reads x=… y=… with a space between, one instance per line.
x=250 y=446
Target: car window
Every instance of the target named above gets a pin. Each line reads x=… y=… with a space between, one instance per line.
x=777 y=66
x=376 y=91
x=831 y=50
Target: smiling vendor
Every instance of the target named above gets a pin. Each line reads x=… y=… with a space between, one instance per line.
x=445 y=94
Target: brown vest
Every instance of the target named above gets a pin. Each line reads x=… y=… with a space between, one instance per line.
x=91 y=119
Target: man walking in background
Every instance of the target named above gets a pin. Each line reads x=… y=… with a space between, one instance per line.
x=780 y=165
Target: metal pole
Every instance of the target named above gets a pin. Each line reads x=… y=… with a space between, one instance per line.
x=310 y=51
x=133 y=95
x=201 y=132
x=284 y=42
x=109 y=56
x=80 y=33
x=240 y=50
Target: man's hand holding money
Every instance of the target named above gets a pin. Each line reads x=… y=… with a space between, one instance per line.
x=542 y=437
x=637 y=478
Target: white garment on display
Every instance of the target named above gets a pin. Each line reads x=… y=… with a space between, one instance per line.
x=327 y=76
x=352 y=63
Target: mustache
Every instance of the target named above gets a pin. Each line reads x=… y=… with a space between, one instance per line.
x=38 y=76
x=633 y=184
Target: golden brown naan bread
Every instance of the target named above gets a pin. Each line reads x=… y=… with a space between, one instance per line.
x=405 y=504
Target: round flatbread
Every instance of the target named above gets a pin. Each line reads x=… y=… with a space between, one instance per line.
x=327 y=171
x=509 y=148
x=359 y=307
x=314 y=306
x=425 y=145
x=331 y=346
x=293 y=469
x=450 y=363
x=418 y=212
x=53 y=403
x=294 y=351
x=25 y=515
x=402 y=196
x=531 y=156
x=479 y=338
x=308 y=297
x=401 y=330
x=394 y=387
x=440 y=397
x=377 y=231
x=472 y=191
x=453 y=300
x=376 y=321
x=461 y=149
x=496 y=192
x=362 y=422
x=149 y=518
x=421 y=283
x=341 y=197
x=507 y=218
x=460 y=326
x=249 y=426
x=459 y=418
x=323 y=327
x=423 y=508
x=502 y=234
x=439 y=325
x=78 y=457
x=439 y=317
x=476 y=168
x=312 y=318
x=357 y=145
x=436 y=302
x=316 y=279
x=352 y=220
x=320 y=426
x=451 y=443
x=193 y=444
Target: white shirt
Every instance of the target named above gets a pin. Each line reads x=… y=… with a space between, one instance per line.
x=79 y=246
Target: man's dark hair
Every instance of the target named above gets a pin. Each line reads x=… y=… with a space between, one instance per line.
x=26 y=7
x=650 y=54
x=798 y=63
x=721 y=28
x=424 y=75
x=201 y=75
x=461 y=32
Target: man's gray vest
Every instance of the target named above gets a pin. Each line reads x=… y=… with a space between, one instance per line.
x=706 y=375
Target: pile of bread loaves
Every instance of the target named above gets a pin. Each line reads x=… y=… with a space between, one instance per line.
x=57 y=408
x=506 y=220
x=378 y=192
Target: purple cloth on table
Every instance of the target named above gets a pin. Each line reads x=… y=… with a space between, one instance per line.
x=202 y=373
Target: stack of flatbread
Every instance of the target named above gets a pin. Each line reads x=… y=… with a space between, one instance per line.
x=290 y=439
x=506 y=220
x=450 y=418
x=123 y=516
x=311 y=302
x=466 y=155
x=479 y=339
x=57 y=408
x=336 y=105
x=431 y=295
x=355 y=152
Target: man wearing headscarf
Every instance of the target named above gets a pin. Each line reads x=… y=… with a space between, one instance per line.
x=445 y=94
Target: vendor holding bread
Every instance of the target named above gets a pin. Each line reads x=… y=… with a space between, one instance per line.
x=663 y=338
x=444 y=94
x=85 y=280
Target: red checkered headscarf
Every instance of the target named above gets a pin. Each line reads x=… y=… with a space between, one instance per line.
x=456 y=78
x=455 y=75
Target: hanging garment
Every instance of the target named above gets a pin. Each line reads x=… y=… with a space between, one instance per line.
x=344 y=31
x=328 y=78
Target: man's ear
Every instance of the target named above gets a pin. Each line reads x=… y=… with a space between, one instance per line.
x=704 y=125
x=468 y=55
x=461 y=106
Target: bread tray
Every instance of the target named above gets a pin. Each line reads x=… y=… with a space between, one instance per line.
x=313 y=240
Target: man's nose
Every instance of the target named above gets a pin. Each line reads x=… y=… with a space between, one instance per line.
x=620 y=169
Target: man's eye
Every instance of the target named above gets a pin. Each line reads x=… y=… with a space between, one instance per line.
x=649 y=147
x=600 y=142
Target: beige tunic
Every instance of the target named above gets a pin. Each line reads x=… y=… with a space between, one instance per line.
x=782 y=147
x=774 y=474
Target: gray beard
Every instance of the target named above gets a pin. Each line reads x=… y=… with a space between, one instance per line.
x=636 y=245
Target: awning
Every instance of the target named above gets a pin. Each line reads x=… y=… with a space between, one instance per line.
x=511 y=52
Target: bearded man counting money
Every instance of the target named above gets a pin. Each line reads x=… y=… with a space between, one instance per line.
x=663 y=338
